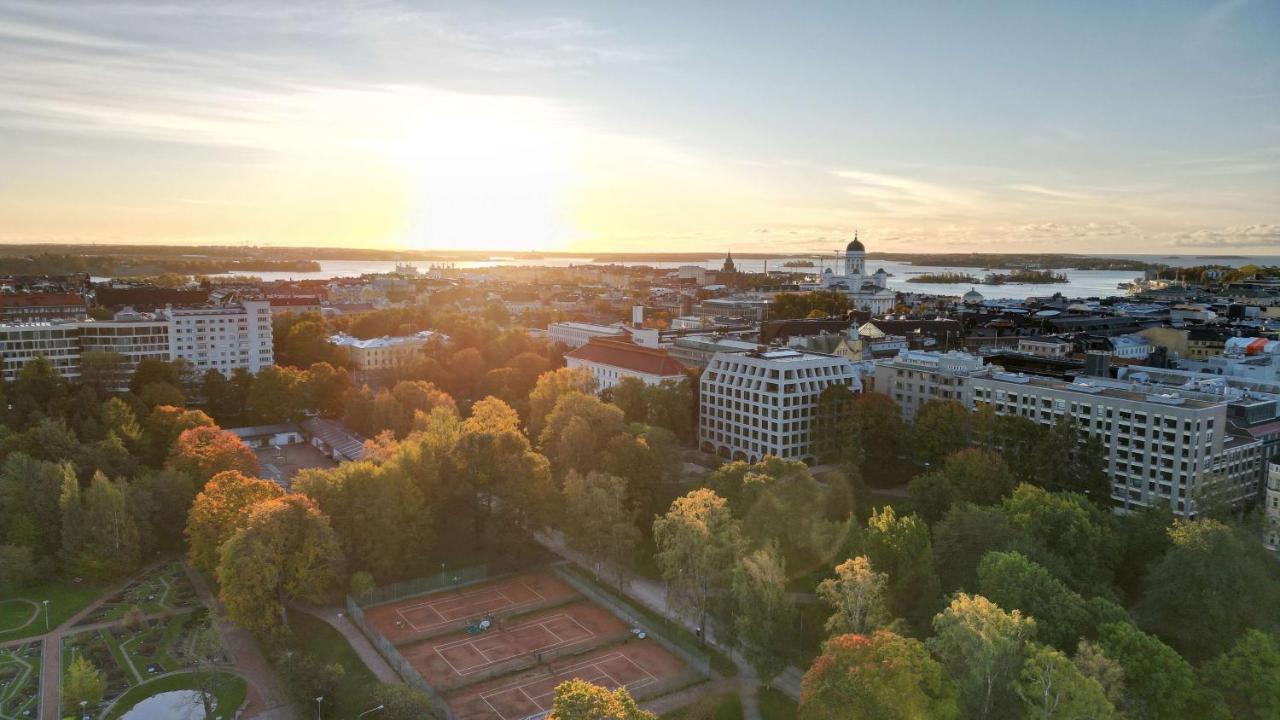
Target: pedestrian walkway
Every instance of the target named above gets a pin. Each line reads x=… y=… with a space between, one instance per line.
x=338 y=620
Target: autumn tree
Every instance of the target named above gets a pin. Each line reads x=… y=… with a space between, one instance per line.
x=900 y=547
x=697 y=541
x=220 y=510
x=765 y=617
x=882 y=676
x=983 y=648
x=548 y=390
x=286 y=551
x=599 y=522
x=577 y=431
x=205 y=451
x=581 y=700
x=1051 y=687
x=857 y=595
x=83 y=683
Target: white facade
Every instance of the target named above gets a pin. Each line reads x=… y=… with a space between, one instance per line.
x=1159 y=443
x=20 y=343
x=1045 y=347
x=758 y=404
x=1271 y=501
x=383 y=353
x=867 y=292
x=913 y=378
x=1131 y=347
x=222 y=338
x=576 y=334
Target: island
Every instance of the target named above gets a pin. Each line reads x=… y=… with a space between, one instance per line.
x=1019 y=276
x=798 y=263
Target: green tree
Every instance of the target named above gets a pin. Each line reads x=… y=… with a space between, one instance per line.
x=877 y=677
x=285 y=552
x=942 y=427
x=628 y=395
x=857 y=596
x=966 y=534
x=970 y=475
x=1051 y=687
x=277 y=396
x=1093 y=663
x=117 y=417
x=220 y=510
x=876 y=421
x=765 y=615
x=599 y=523
x=550 y=387
x=778 y=501
x=109 y=541
x=648 y=460
x=30 y=513
x=1157 y=680
x=17 y=568
x=1215 y=583
x=159 y=501
x=669 y=404
x=1012 y=581
x=901 y=548
x=1243 y=682
x=983 y=648
x=697 y=541
x=401 y=702
x=83 y=683
x=580 y=700
x=577 y=431
x=1075 y=534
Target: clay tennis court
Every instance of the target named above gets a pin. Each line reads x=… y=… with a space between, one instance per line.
x=634 y=665
x=446 y=660
x=450 y=610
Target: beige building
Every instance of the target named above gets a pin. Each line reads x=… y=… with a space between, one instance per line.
x=383 y=353
x=1271 y=498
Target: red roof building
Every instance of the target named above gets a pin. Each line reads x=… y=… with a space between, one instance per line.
x=42 y=307
x=610 y=360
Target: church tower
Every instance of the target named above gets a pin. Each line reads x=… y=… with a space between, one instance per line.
x=728 y=264
x=855 y=257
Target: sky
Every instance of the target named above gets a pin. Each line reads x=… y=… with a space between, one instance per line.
x=1103 y=127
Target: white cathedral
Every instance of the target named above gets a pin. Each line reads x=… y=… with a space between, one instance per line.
x=868 y=292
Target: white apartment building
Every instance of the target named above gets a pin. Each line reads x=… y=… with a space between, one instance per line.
x=609 y=361
x=1159 y=441
x=383 y=353
x=20 y=343
x=132 y=335
x=222 y=337
x=1271 y=502
x=757 y=404
x=576 y=334
x=913 y=378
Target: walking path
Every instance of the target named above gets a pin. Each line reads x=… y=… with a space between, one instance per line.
x=653 y=595
x=338 y=620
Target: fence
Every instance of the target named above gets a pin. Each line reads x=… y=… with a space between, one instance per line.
x=424 y=585
x=397 y=661
x=694 y=658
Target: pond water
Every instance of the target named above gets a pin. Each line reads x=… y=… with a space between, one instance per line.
x=172 y=705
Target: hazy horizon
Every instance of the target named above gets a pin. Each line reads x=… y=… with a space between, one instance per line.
x=1152 y=128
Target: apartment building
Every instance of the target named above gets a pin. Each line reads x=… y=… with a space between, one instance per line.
x=59 y=342
x=132 y=335
x=383 y=353
x=913 y=378
x=609 y=361
x=1160 y=441
x=222 y=337
x=1046 y=346
x=42 y=307
x=1271 y=502
x=576 y=334
x=757 y=404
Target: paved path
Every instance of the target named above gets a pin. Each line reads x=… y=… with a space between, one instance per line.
x=267 y=699
x=338 y=620
x=653 y=595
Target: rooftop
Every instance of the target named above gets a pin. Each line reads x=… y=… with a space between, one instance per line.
x=627 y=355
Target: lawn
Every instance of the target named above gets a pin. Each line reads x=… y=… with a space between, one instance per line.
x=230 y=697
x=20 y=681
x=16 y=613
x=726 y=706
x=66 y=598
x=317 y=638
x=774 y=705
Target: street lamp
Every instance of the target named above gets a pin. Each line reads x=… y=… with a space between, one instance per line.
x=84 y=711
x=46 y=615
x=318 y=706
x=370 y=710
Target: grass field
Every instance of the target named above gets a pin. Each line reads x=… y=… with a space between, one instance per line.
x=16 y=613
x=230 y=698
x=66 y=598
x=316 y=638
x=726 y=706
x=774 y=705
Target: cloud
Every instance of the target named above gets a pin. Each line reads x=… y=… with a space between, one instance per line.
x=1056 y=194
x=1264 y=235
x=904 y=195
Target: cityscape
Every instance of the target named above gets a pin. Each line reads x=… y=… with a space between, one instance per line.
x=425 y=360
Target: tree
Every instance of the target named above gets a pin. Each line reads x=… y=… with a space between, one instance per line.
x=876 y=677
x=648 y=460
x=30 y=514
x=1243 y=682
x=857 y=595
x=598 y=521
x=16 y=568
x=109 y=541
x=901 y=548
x=877 y=422
x=628 y=395
x=401 y=702
x=1070 y=463
x=83 y=683
x=668 y=406
x=117 y=417
x=966 y=534
x=277 y=396
x=206 y=658
x=548 y=390
x=970 y=475
x=326 y=385
x=827 y=303
x=1051 y=687
x=1213 y=584
x=942 y=427
x=778 y=501
x=103 y=372
x=577 y=431
x=765 y=615
x=983 y=649
x=205 y=451
x=697 y=541
x=285 y=552
x=1093 y=663
x=1144 y=534
x=1157 y=680
x=164 y=425
x=159 y=502
x=1075 y=534
x=1012 y=581
x=581 y=700
x=220 y=510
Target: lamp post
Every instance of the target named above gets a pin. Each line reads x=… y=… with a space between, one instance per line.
x=84 y=710
x=318 y=706
x=46 y=615
x=370 y=710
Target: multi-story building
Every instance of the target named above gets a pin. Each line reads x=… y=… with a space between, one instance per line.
x=383 y=353
x=757 y=404
x=576 y=334
x=132 y=335
x=1160 y=441
x=913 y=378
x=58 y=342
x=610 y=360
x=222 y=337
x=1271 y=502
x=294 y=304
x=42 y=307
x=1047 y=346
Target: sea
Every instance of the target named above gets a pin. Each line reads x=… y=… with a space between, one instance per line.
x=1080 y=283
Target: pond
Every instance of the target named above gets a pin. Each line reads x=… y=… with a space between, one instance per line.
x=173 y=705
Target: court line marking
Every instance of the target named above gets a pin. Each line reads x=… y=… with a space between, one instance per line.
x=489 y=662
x=600 y=673
x=469 y=598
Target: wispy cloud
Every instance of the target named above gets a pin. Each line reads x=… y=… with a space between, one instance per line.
x=1261 y=236
x=1055 y=193
x=904 y=195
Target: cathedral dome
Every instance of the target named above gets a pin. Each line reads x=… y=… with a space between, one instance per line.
x=973 y=297
x=855 y=245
